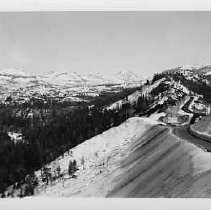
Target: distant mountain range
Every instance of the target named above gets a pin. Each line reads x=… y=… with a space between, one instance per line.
x=76 y=86
x=21 y=86
x=67 y=78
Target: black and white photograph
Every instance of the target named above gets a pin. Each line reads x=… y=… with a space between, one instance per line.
x=105 y=104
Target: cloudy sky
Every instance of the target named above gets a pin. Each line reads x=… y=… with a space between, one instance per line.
x=143 y=42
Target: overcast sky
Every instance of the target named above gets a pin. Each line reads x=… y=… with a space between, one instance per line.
x=143 y=42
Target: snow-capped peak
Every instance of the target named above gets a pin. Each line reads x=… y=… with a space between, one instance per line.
x=127 y=76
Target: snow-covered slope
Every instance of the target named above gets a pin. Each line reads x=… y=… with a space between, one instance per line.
x=101 y=154
x=161 y=165
x=192 y=70
x=175 y=92
x=137 y=159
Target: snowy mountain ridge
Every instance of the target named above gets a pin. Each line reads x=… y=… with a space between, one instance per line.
x=74 y=76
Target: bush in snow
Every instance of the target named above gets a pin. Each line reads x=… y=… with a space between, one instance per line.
x=58 y=169
x=46 y=175
x=72 y=167
x=28 y=186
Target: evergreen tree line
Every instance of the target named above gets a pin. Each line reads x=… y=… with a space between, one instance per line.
x=43 y=143
x=157 y=77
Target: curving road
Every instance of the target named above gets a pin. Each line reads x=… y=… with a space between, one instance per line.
x=161 y=165
x=183 y=133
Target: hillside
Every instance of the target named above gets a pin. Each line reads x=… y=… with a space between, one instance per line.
x=85 y=149
x=179 y=163
x=102 y=155
x=157 y=164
